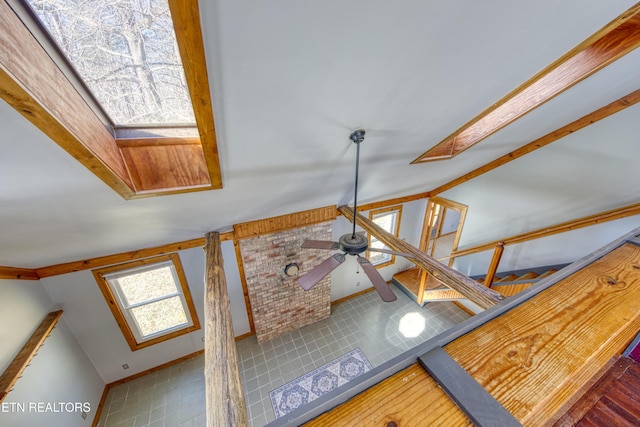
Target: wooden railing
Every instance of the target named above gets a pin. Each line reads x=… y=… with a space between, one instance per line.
x=19 y=363
x=493 y=266
x=547 y=231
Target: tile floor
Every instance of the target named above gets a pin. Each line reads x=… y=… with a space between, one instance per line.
x=174 y=397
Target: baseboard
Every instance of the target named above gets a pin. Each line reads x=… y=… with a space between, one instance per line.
x=348 y=297
x=96 y=417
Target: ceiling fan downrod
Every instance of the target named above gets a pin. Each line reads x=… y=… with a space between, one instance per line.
x=357 y=137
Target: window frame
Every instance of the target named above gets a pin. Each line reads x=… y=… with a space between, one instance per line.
x=93 y=99
x=38 y=88
x=373 y=213
x=126 y=321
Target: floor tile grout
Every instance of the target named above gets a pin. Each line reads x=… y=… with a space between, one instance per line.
x=175 y=396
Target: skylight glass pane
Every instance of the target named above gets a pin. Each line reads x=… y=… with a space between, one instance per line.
x=127 y=55
x=159 y=316
x=147 y=285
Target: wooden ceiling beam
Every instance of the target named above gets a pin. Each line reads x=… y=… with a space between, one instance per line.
x=604 y=112
x=395 y=201
x=610 y=43
x=474 y=291
x=18 y=273
x=91 y=263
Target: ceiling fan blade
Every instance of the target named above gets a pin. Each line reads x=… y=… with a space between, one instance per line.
x=319 y=244
x=379 y=283
x=317 y=273
x=388 y=251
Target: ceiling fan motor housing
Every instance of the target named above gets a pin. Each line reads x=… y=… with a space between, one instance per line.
x=357 y=136
x=353 y=244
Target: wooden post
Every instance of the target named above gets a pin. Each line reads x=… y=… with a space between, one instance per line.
x=421 y=288
x=224 y=397
x=474 y=291
x=493 y=266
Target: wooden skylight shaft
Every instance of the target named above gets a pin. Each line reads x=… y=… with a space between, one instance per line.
x=33 y=84
x=610 y=43
x=584 y=121
x=15 y=369
x=186 y=22
x=475 y=292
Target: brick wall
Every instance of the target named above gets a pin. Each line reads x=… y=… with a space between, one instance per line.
x=279 y=304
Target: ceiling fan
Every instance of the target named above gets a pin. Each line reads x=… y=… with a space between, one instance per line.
x=349 y=244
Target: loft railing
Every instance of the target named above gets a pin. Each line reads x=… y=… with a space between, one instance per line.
x=14 y=371
x=499 y=245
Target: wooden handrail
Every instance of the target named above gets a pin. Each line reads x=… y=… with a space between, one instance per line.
x=19 y=363
x=555 y=229
x=493 y=266
x=475 y=292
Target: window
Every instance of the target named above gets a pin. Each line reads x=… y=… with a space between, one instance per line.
x=126 y=55
x=389 y=220
x=150 y=299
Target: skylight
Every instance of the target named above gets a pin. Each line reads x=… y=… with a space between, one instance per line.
x=126 y=54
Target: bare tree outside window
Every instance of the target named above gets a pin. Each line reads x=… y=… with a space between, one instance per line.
x=127 y=55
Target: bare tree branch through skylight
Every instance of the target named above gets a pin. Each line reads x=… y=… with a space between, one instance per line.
x=127 y=55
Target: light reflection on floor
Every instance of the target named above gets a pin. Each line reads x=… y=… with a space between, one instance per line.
x=380 y=330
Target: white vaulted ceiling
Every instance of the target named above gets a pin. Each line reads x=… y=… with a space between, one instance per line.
x=290 y=80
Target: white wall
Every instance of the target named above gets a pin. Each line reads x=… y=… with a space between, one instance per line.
x=60 y=372
x=568 y=179
x=349 y=277
x=451 y=221
x=93 y=324
x=562 y=248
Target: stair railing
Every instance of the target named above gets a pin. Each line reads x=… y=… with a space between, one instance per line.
x=493 y=266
